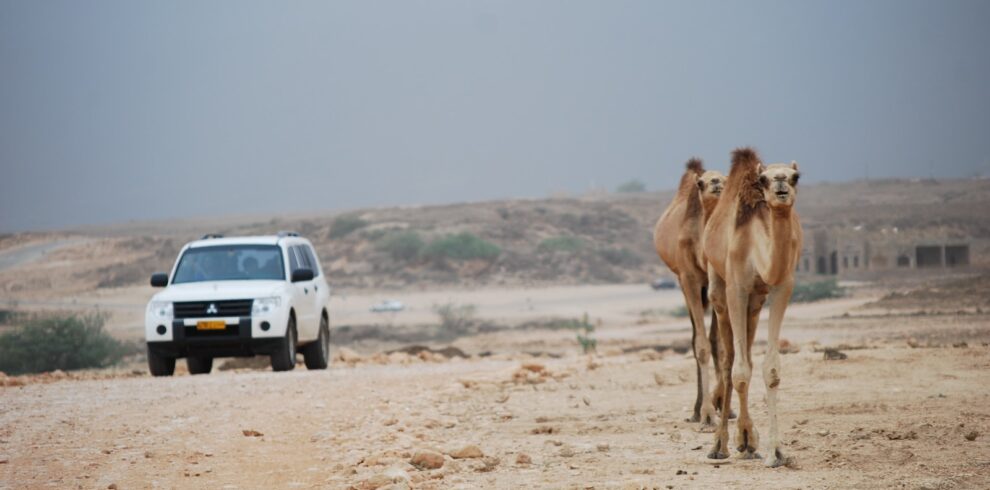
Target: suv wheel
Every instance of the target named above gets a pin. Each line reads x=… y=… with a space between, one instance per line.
x=199 y=365
x=284 y=356
x=160 y=365
x=317 y=354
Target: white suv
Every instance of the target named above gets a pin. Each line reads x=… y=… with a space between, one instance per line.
x=240 y=297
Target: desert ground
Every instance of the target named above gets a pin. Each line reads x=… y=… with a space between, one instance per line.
x=507 y=398
x=907 y=408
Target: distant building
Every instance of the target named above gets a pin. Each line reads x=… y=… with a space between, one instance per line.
x=837 y=250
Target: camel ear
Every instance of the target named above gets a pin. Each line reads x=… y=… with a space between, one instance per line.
x=701 y=184
x=794 y=165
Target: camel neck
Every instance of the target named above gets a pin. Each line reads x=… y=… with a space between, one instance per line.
x=781 y=245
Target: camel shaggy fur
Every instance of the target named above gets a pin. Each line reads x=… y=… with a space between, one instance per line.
x=752 y=244
x=678 y=240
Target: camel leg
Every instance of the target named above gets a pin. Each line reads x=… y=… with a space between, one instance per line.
x=737 y=301
x=696 y=414
x=719 y=390
x=716 y=293
x=747 y=437
x=691 y=286
x=781 y=295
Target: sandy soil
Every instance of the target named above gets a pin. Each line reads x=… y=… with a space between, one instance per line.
x=888 y=416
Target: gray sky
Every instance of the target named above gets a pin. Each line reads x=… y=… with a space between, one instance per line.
x=114 y=111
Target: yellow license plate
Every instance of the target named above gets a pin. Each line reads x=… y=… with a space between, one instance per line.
x=211 y=325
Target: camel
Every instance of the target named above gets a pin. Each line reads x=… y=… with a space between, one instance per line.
x=752 y=244
x=677 y=238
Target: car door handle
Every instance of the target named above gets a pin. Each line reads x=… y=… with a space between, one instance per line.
x=306 y=290
x=316 y=288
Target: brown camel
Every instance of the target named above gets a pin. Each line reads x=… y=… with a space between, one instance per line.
x=752 y=243
x=677 y=238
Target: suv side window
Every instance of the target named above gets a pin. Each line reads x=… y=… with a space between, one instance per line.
x=293 y=258
x=311 y=257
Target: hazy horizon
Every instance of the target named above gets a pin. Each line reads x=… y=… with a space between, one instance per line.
x=115 y=111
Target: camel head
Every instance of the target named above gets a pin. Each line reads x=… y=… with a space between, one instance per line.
x=779 y=182
x=710 y=185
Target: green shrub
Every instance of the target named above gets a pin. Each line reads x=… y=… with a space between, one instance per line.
x=567 y=244
x=634 y=185
x=405 y=245
x=63 y=341
x=620 y=256
x=454 y=317
x=679 y=312
x=814 y=291
x=462 y=246
x=344 y=225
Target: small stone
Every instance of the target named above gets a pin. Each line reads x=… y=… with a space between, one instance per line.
x=586 y=401
x=681 y=472
x=971 y=435
x=112 y=486
x=466 y=452
x=427 y=460
x=658 y=379
x=523 y=458
x=534 y=367
x=489 y=464
x=4 y=459
x=603 y=447
x=823 y=433
x=251 y=433
x=149 y=454
x=566 y=452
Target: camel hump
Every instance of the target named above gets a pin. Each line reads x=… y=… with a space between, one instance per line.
x=744 y=158
x=695 y=165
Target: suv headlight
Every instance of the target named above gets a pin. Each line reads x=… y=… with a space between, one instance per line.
x=160 y=309
x=262 y=306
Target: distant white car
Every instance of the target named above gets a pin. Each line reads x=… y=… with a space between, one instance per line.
x=238 y=297
x=389 y=305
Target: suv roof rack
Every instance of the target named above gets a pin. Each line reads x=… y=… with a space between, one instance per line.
x=285 y=233
x=209 y=236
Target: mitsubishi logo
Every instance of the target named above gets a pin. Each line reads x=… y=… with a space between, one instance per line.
x=212 y=309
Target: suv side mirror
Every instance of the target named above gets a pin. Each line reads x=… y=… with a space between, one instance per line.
x=159 y=280
x=300 y=275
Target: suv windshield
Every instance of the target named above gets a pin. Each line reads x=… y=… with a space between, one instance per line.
x=230 y=263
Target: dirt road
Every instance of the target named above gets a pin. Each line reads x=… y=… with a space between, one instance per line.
x=888 y=416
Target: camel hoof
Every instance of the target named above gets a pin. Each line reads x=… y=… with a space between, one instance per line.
x=776 y=460
x=707 y=427
x=732 y=415
x=694 y=418
x=749 y=453
x=716 y=454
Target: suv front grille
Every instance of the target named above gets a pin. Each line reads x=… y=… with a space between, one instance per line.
x=202 y=309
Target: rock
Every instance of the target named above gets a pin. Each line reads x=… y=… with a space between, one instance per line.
x=534 y=367
x=348 y=356
x=523 y=458
x=658 y=379
x=488 y=464
x=470 y=451
x=971 y=435
x=4 y=459
x=602 y=448
x=586 y=401
x=427 y=460
x=786 y=347
x=834 y=355
x=566 y=452
x=112 y=486
x=251 y=433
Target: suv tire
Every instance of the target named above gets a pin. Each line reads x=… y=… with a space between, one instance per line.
x=317 y=354
x=199 y=365
x=160 y=365
x=284 y=356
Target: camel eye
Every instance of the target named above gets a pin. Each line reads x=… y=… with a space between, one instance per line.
x=764 y=181
x=794 y=179
x=701 y=184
